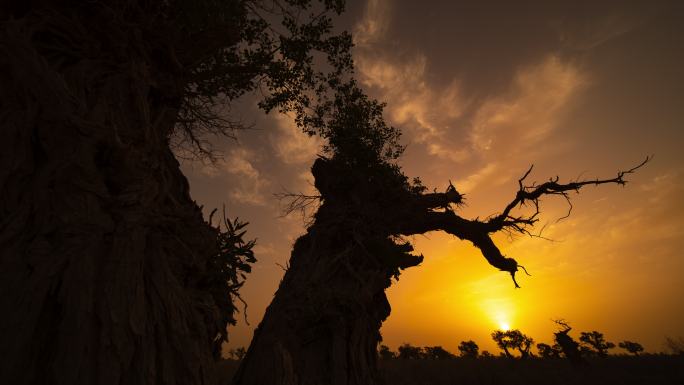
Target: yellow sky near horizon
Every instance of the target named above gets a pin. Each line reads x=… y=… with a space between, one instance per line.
x=480 y=93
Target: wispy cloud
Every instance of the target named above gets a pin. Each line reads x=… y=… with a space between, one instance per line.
x=291 y=144
x=373 y=25
x=533 y=107
x=250 y=187
x=477 y=134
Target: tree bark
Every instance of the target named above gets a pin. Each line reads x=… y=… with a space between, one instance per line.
x=102 y=251
x=323 y=325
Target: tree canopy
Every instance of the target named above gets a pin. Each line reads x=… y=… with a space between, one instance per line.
x=595 y=343
x=468 y=349
x=513 y=339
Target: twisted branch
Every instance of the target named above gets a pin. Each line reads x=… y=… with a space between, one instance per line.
x=534 y=193
x=419 y=220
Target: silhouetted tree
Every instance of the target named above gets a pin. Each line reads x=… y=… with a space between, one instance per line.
x=513 y=339
x=570 y=347
x=436 y=353
x=410 y=352
x=105 y=260
x=549 y=351
x=594 y=343
x=486 y=354
x=333 y=294
x=323 y=323
x=385 y=353
x=632 y=347
x=468 y=349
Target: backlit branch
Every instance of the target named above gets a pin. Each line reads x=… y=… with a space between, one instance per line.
x=474 y=231
x=533 y=193
x=424 y=217
x=298 y=202
x=441 y=200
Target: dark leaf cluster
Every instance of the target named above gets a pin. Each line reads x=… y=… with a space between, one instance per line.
x=228 y=269
x=286 y=50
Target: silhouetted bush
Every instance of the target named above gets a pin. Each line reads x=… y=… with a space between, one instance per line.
x=468 y=349
x=436 y=353
x=410 y=352
x=632 y=347
x=385 y=353
x=549 y=351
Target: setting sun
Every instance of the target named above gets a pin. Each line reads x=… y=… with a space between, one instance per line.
x=504 y=326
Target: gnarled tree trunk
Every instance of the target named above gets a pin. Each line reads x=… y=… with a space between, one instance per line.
x=102 y=251
x=323 y=325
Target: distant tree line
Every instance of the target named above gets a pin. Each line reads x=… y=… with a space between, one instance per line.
x=516 y=345
x=513 y=344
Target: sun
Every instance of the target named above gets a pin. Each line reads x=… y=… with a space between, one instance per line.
x=504 y=326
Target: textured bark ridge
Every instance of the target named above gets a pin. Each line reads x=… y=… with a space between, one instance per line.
x=102 y=251
x=323 y=324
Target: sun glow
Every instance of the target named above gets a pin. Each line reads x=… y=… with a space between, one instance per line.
x=504 y=326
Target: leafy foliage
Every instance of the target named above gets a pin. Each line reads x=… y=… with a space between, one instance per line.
x=228 y=268
x=284 y=49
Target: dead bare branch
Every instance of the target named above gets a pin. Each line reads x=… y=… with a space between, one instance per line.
x=533 y=193
x=478 y=232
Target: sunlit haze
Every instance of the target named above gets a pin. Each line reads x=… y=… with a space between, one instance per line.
x=481 y=92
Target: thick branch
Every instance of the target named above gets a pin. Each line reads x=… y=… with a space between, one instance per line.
x=473 y=231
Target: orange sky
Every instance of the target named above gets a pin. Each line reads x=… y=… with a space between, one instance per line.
x=481 y=92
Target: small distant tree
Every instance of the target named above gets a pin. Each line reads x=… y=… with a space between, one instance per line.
x=410 y=352
x=549 y=351
x=570 y=347
x=385 y=353
x=513 y=339
x=436 y=353
x=237 y=354
x=675 y=345
x=468 y=349
x=594 y=343
x=486 y=354
x=632 y=347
